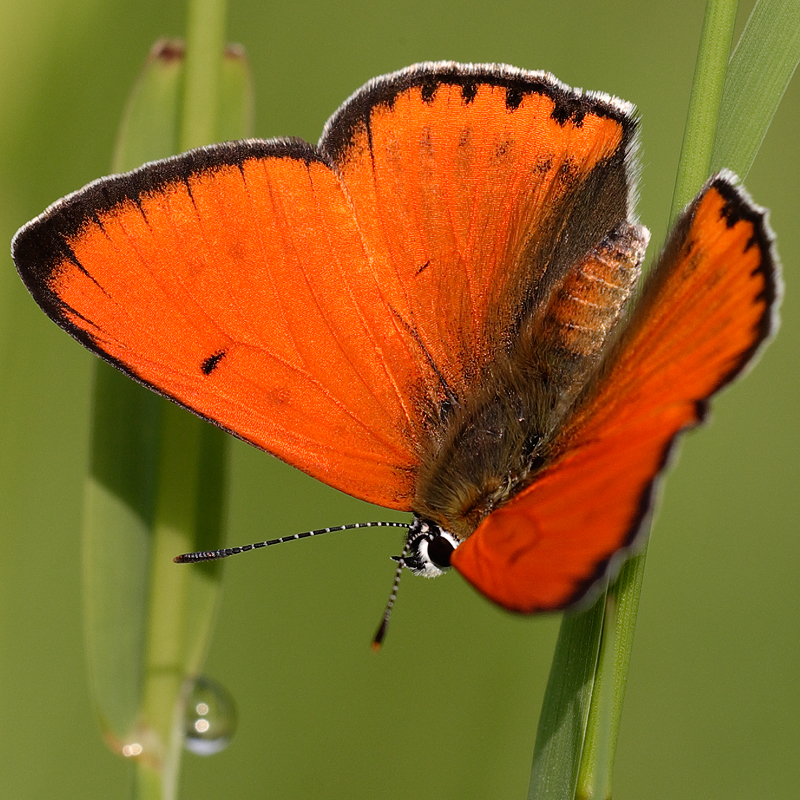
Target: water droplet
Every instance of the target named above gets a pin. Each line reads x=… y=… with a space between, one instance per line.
x=210 y=718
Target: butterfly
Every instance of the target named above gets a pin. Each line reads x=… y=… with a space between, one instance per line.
x=436 y=309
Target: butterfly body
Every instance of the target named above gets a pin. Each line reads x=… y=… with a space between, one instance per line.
x=431 y=311
x=491 y=444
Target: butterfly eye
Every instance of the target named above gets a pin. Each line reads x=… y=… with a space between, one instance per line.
x=429 y=549
x=440 y=548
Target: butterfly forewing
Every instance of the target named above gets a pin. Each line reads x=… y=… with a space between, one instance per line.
x=708 y=306
x=234 y=280
x=464 y=181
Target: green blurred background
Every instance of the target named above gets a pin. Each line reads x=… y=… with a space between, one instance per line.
x=449 y=708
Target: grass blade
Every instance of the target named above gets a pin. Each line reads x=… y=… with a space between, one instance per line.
x=760 y=70
x=565 y=709
x=122 y=484
x=704 y=101
x=157 y=484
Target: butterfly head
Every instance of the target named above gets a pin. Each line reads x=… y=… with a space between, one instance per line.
x=428 y=549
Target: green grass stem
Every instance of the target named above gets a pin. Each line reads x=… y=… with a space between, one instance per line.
x=704 y=102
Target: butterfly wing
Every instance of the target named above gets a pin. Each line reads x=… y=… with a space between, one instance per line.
x=234 y=280
x=464 y=178
x=708 y=306
x=325 y=303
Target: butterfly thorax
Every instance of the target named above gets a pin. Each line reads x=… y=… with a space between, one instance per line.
x=493 y=442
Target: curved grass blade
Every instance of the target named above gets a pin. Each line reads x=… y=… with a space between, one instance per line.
x=157 y=484
x=761 y=67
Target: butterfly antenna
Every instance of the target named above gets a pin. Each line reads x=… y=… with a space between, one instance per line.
x=377 y=640
x=213 y=555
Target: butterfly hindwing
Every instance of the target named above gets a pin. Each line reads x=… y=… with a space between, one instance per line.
x=708 y=306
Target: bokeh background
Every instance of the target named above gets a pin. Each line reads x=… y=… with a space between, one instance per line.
x=449 y=708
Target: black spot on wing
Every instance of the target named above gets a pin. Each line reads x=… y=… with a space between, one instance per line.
x=212 y=362
x=514 y=95
x=429 y=88
x=42 y=249
x=570 y=110
x=468 y=92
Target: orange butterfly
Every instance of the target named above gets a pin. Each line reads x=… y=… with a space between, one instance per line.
x=430 y=310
